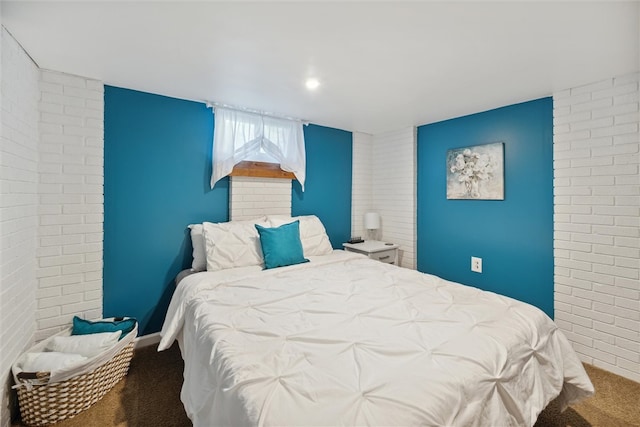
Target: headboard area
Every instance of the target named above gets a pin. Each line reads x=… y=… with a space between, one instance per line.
x=251 y=197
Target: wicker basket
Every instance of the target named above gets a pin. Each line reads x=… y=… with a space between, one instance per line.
x=44 y=402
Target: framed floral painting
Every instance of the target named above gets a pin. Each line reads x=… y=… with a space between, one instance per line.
x=476 y=173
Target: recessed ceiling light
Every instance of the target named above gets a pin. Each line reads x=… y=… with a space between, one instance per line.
x=312 y=84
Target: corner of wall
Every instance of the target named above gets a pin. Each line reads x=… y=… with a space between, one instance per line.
x=362 y=181
x=19 y=95
x=52 y=200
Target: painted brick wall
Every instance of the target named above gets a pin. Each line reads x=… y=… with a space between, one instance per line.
x=70 y=231
x=597 y=222
x=394 y=190
x=252 y=197
x=19 y=96
x=362 y=184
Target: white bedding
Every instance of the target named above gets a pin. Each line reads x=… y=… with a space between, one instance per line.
x=344 y=340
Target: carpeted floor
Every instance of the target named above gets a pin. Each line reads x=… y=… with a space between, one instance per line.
x=150 y=396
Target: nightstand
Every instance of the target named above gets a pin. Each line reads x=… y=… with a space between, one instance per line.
x=380 y=251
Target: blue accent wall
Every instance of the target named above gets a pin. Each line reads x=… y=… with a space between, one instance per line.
x=157 y=166
x=327 y=191
x=514 y=237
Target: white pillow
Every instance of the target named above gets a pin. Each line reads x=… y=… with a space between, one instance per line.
x=312 y=233
x=49 y=361
x=233 y=244
x=85 y=345
x=199 y=251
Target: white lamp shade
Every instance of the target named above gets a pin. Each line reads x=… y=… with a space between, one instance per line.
x=371 y=221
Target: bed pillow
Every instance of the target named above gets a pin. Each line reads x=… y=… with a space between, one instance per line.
x=199 y=253
x=84 y=345
x=312 y=233
x=233 y=244
x=49 y=361
x=281 y=245
x=84 y=327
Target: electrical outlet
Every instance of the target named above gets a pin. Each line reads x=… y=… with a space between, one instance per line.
x=476 y=264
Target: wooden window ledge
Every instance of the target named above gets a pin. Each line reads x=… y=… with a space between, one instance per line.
x=260 y=170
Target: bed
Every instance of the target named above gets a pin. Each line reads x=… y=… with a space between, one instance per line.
x=345 y=340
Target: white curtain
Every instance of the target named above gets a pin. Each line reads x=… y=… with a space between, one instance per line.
x=238 y=135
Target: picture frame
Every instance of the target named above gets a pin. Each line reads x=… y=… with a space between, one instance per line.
x=476 y=172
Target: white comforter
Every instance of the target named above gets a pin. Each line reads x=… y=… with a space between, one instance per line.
x=344 y=340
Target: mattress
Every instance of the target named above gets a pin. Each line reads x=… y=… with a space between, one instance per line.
x=345 y=340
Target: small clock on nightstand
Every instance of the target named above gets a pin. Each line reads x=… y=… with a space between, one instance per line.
x=374 y=249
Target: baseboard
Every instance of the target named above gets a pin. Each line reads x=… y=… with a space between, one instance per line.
x=147 y=340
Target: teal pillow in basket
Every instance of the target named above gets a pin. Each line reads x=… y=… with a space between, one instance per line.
x=85 y=327
x=281 y=246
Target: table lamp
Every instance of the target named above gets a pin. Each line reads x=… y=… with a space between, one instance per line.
x=371 y=223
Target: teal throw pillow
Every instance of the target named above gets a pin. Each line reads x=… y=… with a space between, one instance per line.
x=281 y=246
x=85 y=327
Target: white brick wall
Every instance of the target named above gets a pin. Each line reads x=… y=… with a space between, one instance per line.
x=597 y=222
x=19 y=96
x=362 y=182
x=394 y=190
x=70 y=232
x=252 y=197
x=51 y=200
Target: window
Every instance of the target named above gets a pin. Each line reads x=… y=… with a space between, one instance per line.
x=242 y=136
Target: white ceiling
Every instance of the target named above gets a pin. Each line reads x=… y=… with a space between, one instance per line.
x=382 y=65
